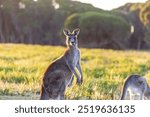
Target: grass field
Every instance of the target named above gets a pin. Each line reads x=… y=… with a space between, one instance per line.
x=22 y=66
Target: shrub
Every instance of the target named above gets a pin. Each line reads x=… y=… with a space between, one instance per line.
x=100 y=29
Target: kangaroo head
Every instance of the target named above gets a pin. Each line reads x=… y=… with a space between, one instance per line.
x=71 y=38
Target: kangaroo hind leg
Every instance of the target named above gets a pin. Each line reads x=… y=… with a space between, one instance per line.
x=44 y=94
x=62 y=91
x=59 y=88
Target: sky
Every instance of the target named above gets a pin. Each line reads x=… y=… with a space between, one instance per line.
x=109 y=4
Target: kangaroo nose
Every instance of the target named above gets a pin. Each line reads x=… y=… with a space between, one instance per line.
x=72 y=40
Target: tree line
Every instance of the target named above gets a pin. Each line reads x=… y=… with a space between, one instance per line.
x=42 y=21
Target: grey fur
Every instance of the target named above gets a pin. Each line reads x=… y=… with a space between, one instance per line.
x=136 y=84
x=60 y=73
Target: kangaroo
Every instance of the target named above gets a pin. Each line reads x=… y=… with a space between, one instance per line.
x=61 y=72
x=136 y=84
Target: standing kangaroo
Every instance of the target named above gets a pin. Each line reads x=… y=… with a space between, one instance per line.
x=136 y=84
x=61 y=72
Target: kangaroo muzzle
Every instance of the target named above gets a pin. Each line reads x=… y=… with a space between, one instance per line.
x=72 y=42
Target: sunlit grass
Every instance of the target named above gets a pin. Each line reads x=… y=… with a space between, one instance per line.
x=22 y=66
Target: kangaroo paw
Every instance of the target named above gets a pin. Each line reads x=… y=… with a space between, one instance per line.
x=79 y=81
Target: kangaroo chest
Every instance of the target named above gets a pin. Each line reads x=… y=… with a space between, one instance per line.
x=75 y=57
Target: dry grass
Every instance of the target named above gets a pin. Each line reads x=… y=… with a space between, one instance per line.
x=22 y=66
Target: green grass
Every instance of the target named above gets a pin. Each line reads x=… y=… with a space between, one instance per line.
x=22 y=66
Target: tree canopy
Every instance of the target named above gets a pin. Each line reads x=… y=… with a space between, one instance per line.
x=42 y=21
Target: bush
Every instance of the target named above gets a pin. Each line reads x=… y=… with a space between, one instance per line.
x=100 y=29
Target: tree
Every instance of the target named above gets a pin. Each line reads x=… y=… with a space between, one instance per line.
x=100 y=29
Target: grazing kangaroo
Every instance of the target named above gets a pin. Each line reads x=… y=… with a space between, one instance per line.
x=61 y=72
x=136 y=84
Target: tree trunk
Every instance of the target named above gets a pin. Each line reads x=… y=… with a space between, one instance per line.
x=2 y=39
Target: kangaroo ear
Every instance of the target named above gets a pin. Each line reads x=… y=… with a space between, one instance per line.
x=76 y=31
x=66 y=32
